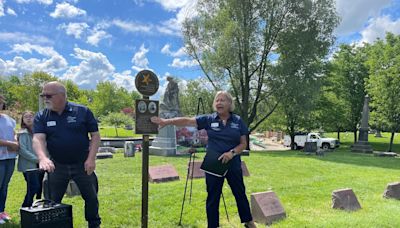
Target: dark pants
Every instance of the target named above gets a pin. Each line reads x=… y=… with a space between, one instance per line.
x=6 y=171
x=87 y=184
x=214 y=190
x=33 y=187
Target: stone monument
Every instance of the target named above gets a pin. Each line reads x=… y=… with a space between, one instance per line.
x=362 y=145
x=165 y=142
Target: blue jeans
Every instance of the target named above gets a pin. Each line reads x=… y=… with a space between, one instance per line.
x=6 y=171
x=87 y=184
x=214 y=184
x=33 y=187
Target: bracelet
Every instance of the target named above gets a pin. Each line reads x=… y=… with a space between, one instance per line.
x=233 y=152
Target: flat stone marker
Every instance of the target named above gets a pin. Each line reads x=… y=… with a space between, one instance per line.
x=106 y=149
x=266 y=207
x=245 y=171
x=384 y=154
x=72 y=189
x=162 y=173
x=104 y=155
x=198 y=173
x=345 y=199
x=392 y=191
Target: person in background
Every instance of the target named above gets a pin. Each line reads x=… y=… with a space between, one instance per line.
x=63 y=129
x=8 y=154
x=227 y=137
x=28 y=161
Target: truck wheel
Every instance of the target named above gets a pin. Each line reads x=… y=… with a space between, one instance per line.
x=295 y=146
x=325 y=146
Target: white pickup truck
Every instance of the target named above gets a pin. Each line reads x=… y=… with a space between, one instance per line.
x=300 y=140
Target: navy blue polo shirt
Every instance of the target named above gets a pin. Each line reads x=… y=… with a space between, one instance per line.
x=222 y=138
x=67 y=134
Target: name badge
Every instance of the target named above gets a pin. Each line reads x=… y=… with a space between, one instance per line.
x=51 y=123
x=214 y=124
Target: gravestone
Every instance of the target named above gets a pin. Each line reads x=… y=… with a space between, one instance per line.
x=165 y=142
x=162 y=173
x=266 y=207
x=104 y=155
x=198 y=173
x=362 y=145
x=385 y=154
x=392 y=191
x=129 y=149
x=345 y=199
x=104 y=149
x=72 y=189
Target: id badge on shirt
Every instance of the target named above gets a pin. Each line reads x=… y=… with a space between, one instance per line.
x=51 y=123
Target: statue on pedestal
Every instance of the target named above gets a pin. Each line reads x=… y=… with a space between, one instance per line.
x=169 y=107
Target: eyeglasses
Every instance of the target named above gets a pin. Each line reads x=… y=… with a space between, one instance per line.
x=48 y=96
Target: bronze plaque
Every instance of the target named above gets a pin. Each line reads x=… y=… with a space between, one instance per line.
x=162 y=173
x=146 y=83
x=144 y=110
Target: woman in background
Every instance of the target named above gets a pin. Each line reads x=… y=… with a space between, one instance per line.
x=28 y=161
x=8 y=154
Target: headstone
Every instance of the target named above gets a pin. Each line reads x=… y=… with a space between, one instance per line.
x=385 y=154
x=72 y=189
x=392 y=191
x=245 y=171
x=104 y=155
x=345 y=199
x=198 y=173
x=195 y=169
x=162 y=173
x=103 y=149
x=362 y=144
x=310 y=147
x=130 y=149
x=266 y=207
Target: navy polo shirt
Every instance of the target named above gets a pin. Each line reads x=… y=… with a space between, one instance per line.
x=67 y=134
x=222 y=138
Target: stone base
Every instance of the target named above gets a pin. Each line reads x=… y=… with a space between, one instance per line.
x=165 y=142
x=361 y=147
x=392 y=191
x=345 y=199
x=162 y=151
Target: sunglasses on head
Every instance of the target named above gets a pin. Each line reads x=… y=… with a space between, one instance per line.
x=48 y=96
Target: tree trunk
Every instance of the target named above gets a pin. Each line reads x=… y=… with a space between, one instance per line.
x=292 y=135
x=116 y=131
x=355 y=135
x=391 y=141
x=338 y=134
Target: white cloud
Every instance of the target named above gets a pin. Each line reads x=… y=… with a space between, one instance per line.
x=166 y=50
x=17 y=37
x=11 y=12
x=140 y=60
x=52 y=63
x=45 y=2
x=131 y=26
x=93 y=68
x=125 y=80
x=1 y=8
x=96 y=37
x=74 y=29
x=66 y=10
x=178 y=63
x=355 y=13
x=377 y=28
x=172 y=4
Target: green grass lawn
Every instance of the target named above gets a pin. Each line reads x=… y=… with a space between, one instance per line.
x=303 y=183
x=109 y=132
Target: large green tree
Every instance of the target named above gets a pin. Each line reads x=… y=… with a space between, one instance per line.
x=189 y=98
x=349 y=73
x=383 y=84
x=235 y=42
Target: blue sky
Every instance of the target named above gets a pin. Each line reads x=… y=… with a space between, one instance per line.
x=89 y=41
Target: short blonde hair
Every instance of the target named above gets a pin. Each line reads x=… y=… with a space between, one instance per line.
x=228 y=96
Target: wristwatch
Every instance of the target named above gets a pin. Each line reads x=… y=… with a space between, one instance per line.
x=233 y=152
